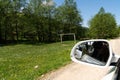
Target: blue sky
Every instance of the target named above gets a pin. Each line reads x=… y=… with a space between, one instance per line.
x=88 y=8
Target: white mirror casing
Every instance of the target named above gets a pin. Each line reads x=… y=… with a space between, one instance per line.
x=83 y=51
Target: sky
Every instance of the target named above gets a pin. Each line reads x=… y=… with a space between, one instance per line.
x=88 y=8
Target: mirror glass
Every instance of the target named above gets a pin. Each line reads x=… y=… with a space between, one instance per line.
x=94 y=52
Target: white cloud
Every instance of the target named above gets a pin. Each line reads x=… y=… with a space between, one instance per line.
x=44 y=2
x=50 y=3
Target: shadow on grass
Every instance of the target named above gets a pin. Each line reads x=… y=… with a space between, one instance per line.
x=35 y=43
x=26 y=42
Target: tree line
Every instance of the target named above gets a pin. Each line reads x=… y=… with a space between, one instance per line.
x=43 y=21
x=103 y=25
x=37 y=20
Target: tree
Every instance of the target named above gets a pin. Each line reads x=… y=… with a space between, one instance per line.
x=42 y=15
x=16 y=8
x=38 y=20
x=118 y=30
x=49 y=6
x=2 y=13
x=68 y=17
x=103 y=25
x=4 y=19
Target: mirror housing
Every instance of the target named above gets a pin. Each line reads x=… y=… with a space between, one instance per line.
x=95 y=52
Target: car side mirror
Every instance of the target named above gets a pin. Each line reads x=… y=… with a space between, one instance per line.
x=92 y=52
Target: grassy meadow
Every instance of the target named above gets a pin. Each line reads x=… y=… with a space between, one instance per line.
x=30 y=61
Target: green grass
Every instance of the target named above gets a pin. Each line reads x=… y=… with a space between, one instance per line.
x=28 y=62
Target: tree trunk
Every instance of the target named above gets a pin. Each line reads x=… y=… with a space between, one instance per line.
x=49 y=28
x=5 y=35
x=16 y=27
x=0 y=35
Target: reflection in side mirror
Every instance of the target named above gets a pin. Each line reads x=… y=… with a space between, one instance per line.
x=95 y=52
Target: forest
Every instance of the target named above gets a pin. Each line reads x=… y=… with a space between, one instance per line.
x=43 y=21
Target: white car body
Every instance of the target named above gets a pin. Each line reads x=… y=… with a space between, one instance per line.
x=112 y=58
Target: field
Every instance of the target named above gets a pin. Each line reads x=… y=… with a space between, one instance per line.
x=30 y=61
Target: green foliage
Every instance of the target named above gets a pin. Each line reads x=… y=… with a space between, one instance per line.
x=69 y=16
x=103 y=25
x=28 y=62
x=37 y=20
x=118 y=29
x=82 y=32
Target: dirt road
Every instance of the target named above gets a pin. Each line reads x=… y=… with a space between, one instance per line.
x=76 y=71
